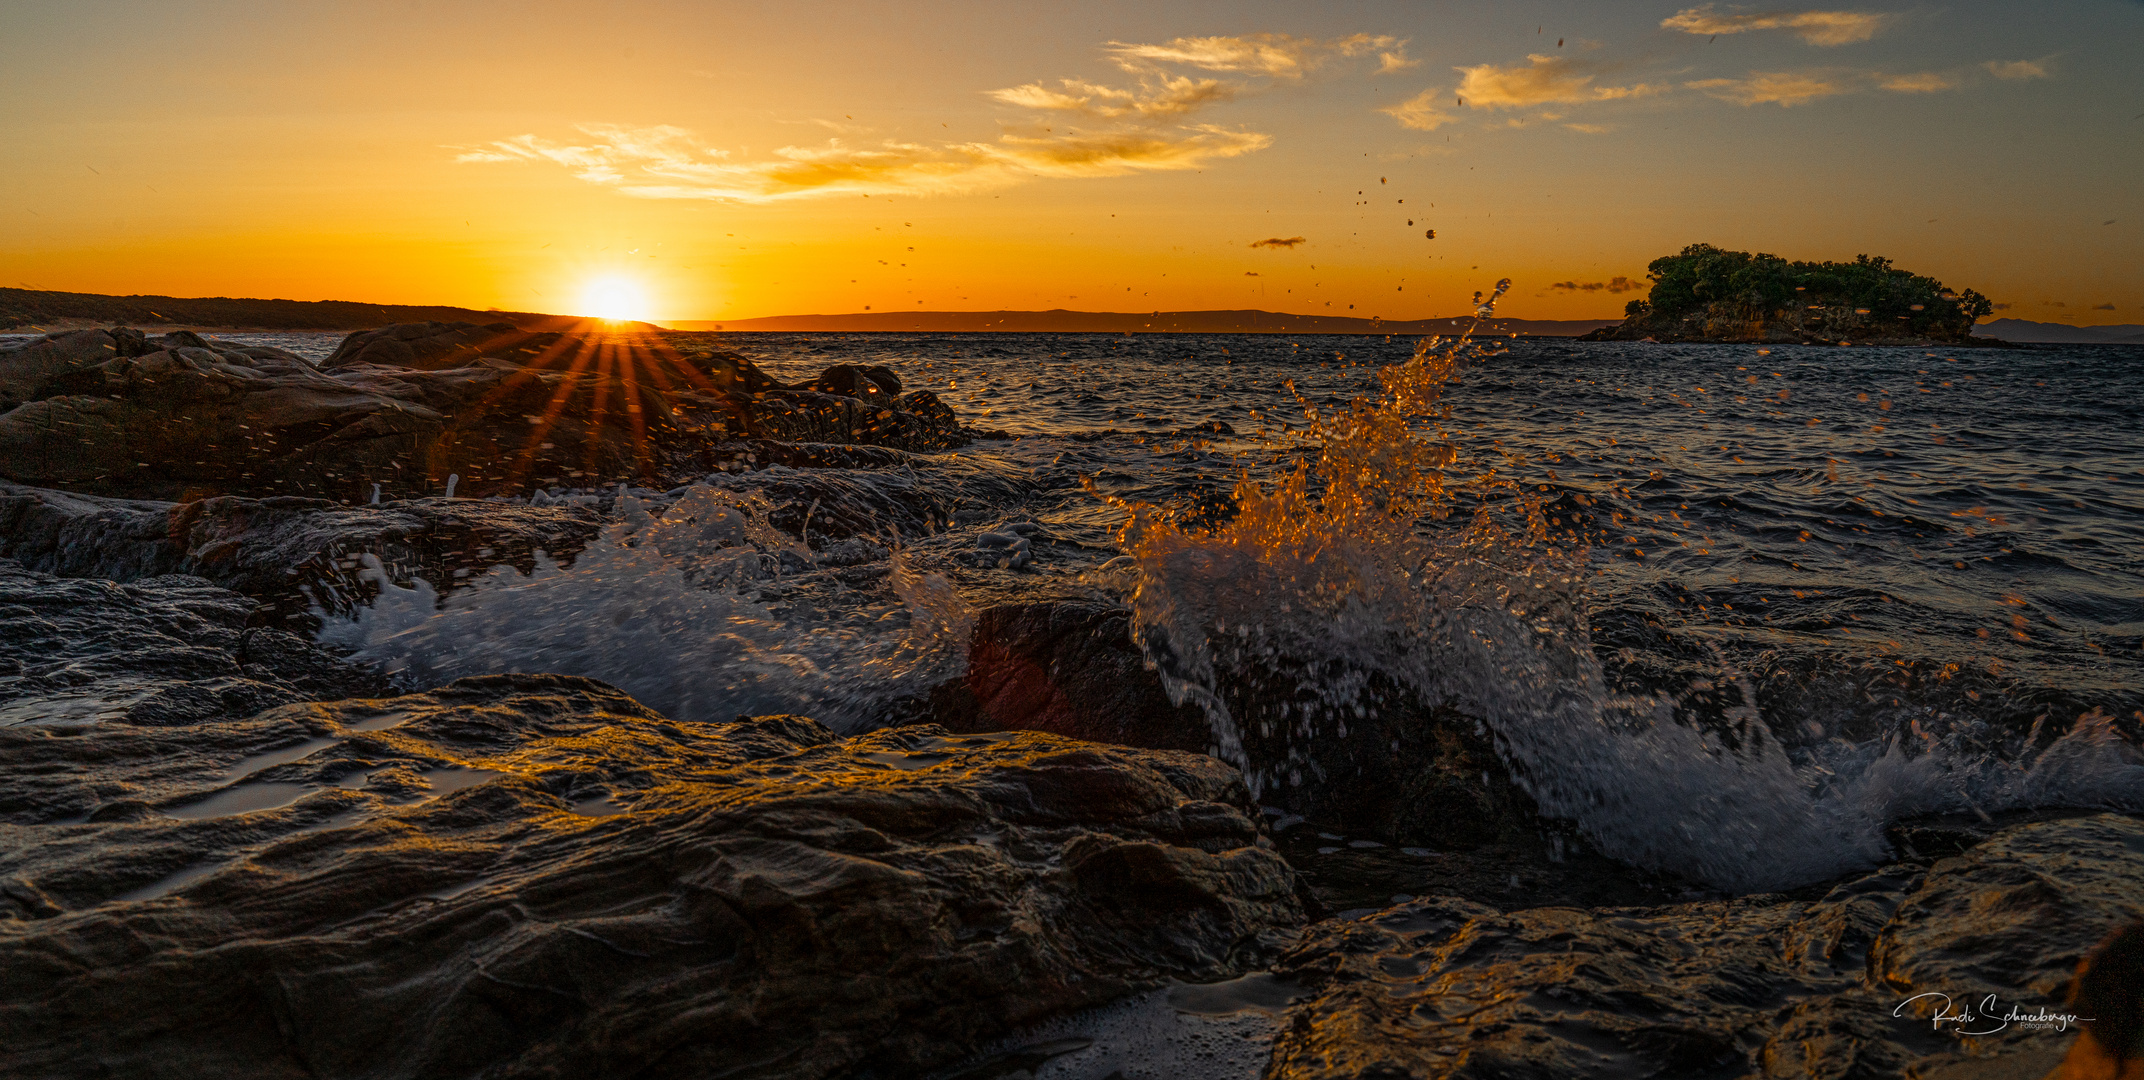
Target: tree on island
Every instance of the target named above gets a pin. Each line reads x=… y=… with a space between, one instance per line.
x=1708 y=293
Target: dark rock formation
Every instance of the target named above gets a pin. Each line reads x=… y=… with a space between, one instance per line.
x=534 y=875
x=431 y=346
x=869 y=383
x=1067 y=668
x=1761 y=985
x=1399 y=771
x=407 y=408
x=291 y=553
x=163 y=650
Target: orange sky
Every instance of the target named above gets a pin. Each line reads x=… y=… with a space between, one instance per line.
x=730 y=161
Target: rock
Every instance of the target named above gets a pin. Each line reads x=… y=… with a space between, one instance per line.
x=163 y=650
x=1398 y=771
x=916 y=422
x=290 y=553
x=1760 y=985
x=874 y=384
x=430 y=346
x=403 y=409
x=534 y=875
x=1067 y=668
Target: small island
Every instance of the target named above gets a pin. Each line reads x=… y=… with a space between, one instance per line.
x=1706 y=294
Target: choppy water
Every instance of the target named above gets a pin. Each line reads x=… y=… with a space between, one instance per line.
x=1784 y=595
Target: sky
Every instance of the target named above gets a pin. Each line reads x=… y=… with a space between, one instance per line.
x=673 y=160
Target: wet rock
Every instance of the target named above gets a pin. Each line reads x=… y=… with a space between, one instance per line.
x=405 y=410
x=1395 y=771
x=430 y=346
x=534 y=875
x=292 y=553
x=163 y=650
x=1759 y=985
x=1067 y=668
x=917 y=422
x=870 y=383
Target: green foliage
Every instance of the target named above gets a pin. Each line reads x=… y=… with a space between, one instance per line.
x=1762 y=285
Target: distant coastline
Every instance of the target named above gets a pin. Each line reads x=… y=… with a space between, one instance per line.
x=1062 y=321
x=38 y=310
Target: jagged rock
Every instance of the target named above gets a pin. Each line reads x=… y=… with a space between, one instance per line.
x=1760 y=985
x=430 y=346
x=1068 y=668
x=869 y=383
x=1397 y=770
x=915 y=422
x=534 y=875
x=291 y=553
x=163 y=650
x=405 y=410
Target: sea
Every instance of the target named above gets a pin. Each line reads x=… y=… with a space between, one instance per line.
x=1733 y=609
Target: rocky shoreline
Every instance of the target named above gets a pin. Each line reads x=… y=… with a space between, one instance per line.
x=232 y=850
x=1735 y=324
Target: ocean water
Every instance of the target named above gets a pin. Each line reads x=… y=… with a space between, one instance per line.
x=1731 y=609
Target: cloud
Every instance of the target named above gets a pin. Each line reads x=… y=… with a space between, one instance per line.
x=1768 y=87
x=2017 y=70
x=1420 y=112
x=1165 y=97
x=665 y=163
x=1618 y=284
x=1590 y=129
x=1814 y=27
x=1925 y=83
x=2103 y=307
x=1277 y=242
x=1541 y=80
x=1278 y=56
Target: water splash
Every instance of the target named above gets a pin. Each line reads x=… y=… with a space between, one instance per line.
x=664 y=607
x=1359 y=564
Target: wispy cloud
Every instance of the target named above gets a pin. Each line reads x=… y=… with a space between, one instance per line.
x=1164 y=97
x=1278 y=242
x=2017 y=70
x=1541 y=80
x=1278 y=56
x=666 y=163
x=1927 y=82
x=1814 y=27
x=1783 y=88
x=1618 y=284
x=1590 y=129
x=1422 y=112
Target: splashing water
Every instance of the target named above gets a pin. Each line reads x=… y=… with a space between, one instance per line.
x=662 y=607
x=1351 y=567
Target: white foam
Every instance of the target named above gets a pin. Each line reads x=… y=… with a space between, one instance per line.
x=660 y=609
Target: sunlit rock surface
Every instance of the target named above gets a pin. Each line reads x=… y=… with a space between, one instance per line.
x=408 y=407
x=535 y=875
x=1756 y=986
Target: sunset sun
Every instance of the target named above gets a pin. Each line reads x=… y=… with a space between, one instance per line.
x=620 y=299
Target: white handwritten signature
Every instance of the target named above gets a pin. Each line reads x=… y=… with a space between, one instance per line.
x=1964 y=1019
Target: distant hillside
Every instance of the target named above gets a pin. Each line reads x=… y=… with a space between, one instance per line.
x=2061 y=333
x=35 y=310
x=1060 y=321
